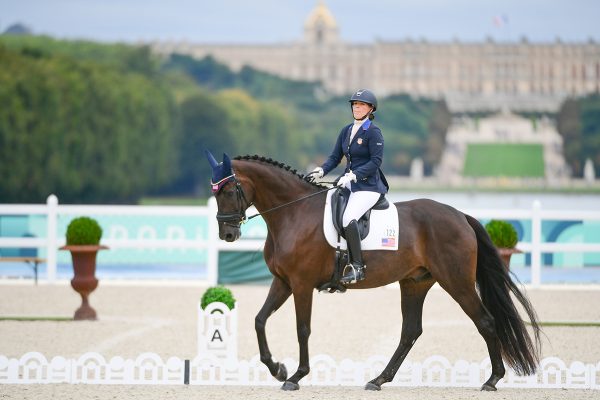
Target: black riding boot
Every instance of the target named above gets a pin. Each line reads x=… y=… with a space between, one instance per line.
x=355 y=270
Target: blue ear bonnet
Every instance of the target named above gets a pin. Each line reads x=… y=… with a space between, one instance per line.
x=221 y=172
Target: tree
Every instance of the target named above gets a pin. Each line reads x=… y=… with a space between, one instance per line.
x=569 y=126
x=87 y=131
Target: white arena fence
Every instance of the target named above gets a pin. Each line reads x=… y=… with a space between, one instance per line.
x=212 y=245
x=149 y=368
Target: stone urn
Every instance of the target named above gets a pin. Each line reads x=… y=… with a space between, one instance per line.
x=83 y=241
x=506 y=253
x=84 y=276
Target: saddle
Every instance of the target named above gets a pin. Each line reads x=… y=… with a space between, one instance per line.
x=339 y=201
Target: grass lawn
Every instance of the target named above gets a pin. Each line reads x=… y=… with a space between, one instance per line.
x=510 y=160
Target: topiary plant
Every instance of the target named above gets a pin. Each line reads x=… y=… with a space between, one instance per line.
x=83 y=231
x=218 y=294
x=502 y=233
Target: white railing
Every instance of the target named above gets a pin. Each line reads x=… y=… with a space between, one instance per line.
x=537 y=247
x=52 y=210
x=151 y=369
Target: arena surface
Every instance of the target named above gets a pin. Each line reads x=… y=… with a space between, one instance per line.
x=161 y=318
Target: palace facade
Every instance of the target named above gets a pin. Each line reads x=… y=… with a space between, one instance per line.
x=474 y=76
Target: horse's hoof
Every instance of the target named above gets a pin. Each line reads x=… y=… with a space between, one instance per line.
x=281 y=373
x=488 y=388
x=372 y=386
x=287 y=385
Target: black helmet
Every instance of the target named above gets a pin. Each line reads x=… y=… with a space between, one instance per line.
x=366 y=96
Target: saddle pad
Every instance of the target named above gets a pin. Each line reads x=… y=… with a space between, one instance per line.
x=383 y=234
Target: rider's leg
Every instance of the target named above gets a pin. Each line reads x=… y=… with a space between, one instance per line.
x=358 y=204
x=355 y=270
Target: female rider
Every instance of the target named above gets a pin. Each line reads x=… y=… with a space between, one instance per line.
x=362 y=144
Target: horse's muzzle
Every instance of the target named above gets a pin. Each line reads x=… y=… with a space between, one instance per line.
x=229 y=234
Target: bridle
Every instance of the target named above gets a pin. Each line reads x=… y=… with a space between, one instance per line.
x=237 y=218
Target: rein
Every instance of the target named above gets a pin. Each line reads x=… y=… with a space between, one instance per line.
x=239 y=217
x=291 y=202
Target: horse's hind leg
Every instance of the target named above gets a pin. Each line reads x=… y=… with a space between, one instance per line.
x=413 y=295
x=471 y=304
x=278 y=294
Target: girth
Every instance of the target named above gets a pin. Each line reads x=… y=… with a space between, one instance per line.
x=339 y=201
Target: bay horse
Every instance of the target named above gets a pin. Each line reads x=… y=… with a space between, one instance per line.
x=437 y=243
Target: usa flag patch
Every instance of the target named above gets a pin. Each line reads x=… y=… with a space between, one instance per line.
x=388 y=242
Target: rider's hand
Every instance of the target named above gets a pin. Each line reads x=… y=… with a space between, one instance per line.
x=316 y=173
x=347 y=178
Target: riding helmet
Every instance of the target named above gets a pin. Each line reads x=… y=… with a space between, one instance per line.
x=366 y=96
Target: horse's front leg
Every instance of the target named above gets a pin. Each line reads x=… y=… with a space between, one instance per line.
x=303 y=304
x=278 y=294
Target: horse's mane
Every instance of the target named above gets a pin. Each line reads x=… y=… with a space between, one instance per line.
x=278 y=164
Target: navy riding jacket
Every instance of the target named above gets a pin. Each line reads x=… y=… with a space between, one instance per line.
x=363 y=157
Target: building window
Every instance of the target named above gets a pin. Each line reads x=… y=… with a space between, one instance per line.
x=319 y=34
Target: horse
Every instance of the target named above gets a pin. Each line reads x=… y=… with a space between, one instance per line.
x=437 y=244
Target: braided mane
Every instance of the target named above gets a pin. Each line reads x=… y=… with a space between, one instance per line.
x=277 y=164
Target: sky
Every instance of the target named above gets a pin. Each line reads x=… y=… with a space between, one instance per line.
x=276 y=21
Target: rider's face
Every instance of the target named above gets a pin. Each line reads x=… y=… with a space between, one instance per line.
x=360 y=109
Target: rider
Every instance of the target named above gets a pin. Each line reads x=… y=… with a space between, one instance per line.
x=362 y=144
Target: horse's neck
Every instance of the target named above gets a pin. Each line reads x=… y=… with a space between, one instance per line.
x=273 y=188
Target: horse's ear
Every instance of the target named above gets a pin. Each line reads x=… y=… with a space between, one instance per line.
x=226 y=163
x=211 y=160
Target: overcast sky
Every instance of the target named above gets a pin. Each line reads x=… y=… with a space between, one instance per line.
x=272 y=21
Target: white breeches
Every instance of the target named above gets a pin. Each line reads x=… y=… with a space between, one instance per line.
x=358 y=204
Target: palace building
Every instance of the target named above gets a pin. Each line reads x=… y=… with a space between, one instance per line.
x=471 y=76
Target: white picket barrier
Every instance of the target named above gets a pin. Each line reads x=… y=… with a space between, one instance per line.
x=149 y=368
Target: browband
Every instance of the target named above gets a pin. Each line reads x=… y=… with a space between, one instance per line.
x=216 y=186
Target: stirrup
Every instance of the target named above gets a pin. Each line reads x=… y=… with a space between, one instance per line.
x=352 y=274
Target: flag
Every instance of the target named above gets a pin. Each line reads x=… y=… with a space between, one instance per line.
x=388 y=242
x=500 y=20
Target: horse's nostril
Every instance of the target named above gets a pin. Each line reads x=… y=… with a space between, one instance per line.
x=228 y=237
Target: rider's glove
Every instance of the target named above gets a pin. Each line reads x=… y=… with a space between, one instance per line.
x=316 y=173
x=347 y=178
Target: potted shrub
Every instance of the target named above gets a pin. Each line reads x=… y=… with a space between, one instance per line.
x=217 y=325
x=83 y=241
x=504 y=236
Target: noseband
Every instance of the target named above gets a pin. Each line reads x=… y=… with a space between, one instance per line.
x=237 y=218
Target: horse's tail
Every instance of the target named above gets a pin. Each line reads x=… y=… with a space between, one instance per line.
x=495 y=284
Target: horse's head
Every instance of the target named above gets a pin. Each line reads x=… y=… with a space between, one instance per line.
x=231 y=199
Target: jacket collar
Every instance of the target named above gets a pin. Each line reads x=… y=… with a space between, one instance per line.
x=364 y=126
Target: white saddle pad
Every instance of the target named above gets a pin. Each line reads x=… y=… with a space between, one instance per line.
x=383 y=231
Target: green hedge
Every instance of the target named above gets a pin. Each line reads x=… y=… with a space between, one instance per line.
x=217 y=294
x=502 y=233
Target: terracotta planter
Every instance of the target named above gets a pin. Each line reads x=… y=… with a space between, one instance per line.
x=506 y=253
x=84 y=277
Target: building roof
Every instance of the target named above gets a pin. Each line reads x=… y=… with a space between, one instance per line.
x=320 y=15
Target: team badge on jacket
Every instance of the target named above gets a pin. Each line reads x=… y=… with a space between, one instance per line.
x=359 y=141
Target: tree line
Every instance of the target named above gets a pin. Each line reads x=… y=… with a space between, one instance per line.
x=112 y=123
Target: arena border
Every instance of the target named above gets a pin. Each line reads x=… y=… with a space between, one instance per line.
x=151 y=369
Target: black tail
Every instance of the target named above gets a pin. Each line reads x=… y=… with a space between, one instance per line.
x=495 y=284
